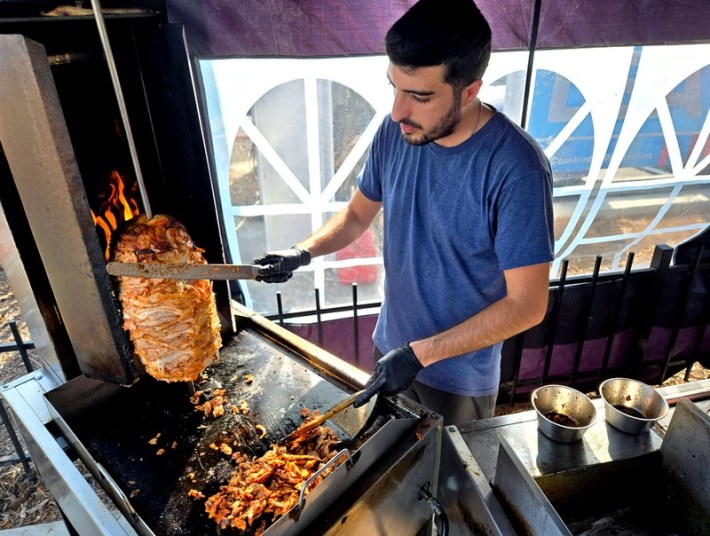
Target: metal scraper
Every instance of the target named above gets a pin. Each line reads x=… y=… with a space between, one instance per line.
x=349 y=425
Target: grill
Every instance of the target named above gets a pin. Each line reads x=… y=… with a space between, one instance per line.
x=109 y=427
x=115 y=435
x=62 y=139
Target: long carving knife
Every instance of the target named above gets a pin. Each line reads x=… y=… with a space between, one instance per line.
x=183 y=271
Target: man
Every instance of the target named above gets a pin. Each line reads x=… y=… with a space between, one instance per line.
x=467 y=203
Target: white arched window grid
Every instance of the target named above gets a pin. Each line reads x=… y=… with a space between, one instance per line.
x=240 y=83
x=651 y=87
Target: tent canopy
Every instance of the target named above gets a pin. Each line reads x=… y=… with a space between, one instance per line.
x=310 y=28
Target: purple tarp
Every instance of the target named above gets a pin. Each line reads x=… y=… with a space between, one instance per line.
x=304 y=28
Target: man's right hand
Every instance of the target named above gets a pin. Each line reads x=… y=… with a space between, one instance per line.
x=393 y=373
x=279 y=265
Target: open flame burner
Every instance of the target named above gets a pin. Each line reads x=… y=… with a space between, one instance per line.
x=67 y=181
x=37 y=146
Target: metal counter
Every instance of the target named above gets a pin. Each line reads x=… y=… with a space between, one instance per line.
x=509 y=453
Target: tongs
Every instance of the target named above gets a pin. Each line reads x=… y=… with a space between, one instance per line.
x=316 y=421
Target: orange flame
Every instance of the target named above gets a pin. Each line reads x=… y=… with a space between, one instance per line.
x=115 y=210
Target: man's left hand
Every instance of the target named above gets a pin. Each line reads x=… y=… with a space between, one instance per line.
x=279 y=265
x=393 y=373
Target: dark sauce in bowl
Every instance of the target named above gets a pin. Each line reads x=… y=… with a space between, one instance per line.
x=561 y=418
x=629 y=411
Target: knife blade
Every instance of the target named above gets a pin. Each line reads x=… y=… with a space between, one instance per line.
x=183 y=271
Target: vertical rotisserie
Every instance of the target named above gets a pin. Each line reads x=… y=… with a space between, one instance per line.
x=172 y=323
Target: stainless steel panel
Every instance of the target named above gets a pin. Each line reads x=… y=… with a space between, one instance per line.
x=387 y=500
x=541 y=455
x=464 y=492
x=76 y=498
x=14 y=266
x=685 y=456
x=657 y=481
x=527 y=504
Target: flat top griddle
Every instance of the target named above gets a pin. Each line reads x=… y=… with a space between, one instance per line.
x=126 y=431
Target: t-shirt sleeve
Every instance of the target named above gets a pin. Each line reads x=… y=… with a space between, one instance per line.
x=524 y=223
x=369 y=181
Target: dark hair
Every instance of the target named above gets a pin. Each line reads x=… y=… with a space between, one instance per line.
x=452 y=33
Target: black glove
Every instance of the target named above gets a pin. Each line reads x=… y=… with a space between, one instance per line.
x=393 y=373
x=279 y=265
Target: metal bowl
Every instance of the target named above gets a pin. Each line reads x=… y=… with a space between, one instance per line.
x=563 y=413
x=630 y=405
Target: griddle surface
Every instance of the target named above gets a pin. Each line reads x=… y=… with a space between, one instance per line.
x=126 y=433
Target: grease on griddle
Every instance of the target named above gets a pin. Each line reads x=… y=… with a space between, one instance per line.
x=278 y=472
x=261 y=429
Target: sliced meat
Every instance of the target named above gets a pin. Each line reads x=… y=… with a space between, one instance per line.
x=172 y=323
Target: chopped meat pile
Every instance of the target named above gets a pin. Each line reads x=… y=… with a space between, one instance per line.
x=262 y=489
x=172 y=323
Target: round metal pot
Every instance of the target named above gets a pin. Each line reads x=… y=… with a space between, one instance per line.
x=630 y=405
x=564 y=414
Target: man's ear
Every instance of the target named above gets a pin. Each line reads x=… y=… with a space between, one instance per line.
x=470 y=92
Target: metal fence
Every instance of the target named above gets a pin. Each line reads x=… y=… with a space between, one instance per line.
x=21 y=347
x=647 y=324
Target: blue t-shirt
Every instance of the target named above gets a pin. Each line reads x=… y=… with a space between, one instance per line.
x=454 y=219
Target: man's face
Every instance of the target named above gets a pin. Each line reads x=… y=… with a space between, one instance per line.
x=426 y=108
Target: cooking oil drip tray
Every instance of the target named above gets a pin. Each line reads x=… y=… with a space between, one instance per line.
x=666 y=491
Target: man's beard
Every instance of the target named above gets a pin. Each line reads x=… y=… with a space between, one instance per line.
x=443 y=128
